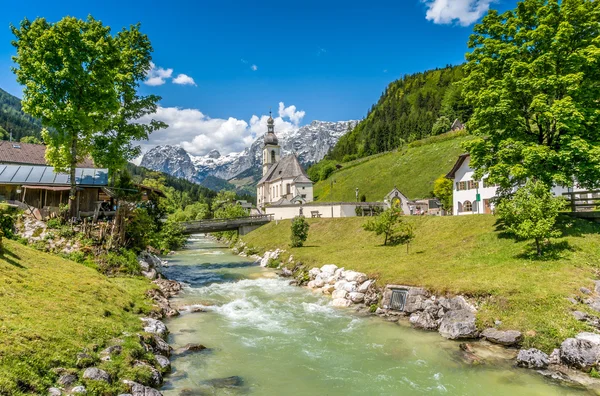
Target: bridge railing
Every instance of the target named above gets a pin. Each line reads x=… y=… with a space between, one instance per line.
x=265 y=217
x=583 y=201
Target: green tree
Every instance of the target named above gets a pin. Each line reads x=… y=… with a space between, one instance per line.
x=441 y=125
x=387 y=224
x=533 y=81
x=442 y=190
x=300 y=229
x=531 y=213
x=31 y=139
x=80 y=81
x=326 y=171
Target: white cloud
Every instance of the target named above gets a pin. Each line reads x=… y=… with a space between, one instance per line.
x=244 y=61
x=464 y=12
x=158 y=76
x=254 y=67
x=321 y=51
x=198 y=134
x=183 y=79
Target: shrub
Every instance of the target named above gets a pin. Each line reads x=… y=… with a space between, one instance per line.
x=123 y=261
x=170 y=237
x=299 y=231
x=390 y=224
x=54 y=223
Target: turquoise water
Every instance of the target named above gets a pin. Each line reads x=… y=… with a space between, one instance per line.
x=276 y=339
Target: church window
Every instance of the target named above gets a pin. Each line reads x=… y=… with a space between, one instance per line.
x=288 y=189
x=467 y=206
x=273 y=156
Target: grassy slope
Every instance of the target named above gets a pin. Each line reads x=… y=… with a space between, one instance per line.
x=412 y=170
x=51 y=309
x=462 y=254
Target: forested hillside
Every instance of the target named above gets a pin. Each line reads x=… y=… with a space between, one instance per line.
x=14 y=120
x=411 y=108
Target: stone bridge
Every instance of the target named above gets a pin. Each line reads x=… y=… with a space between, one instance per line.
x=242 y=224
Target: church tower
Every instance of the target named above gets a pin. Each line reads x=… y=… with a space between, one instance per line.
x=271 y=150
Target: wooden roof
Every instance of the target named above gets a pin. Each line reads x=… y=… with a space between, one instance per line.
x=29 y=154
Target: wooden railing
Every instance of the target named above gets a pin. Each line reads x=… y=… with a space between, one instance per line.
x=583 y=201
x=264 y=217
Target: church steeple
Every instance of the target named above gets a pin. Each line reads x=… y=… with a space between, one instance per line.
x=271 y=150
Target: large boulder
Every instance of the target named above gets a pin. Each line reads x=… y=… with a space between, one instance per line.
x=96 y=374
x=313 y=273
x=328 y=289
x=155 y=378
x=458 y=325
x=160 y=346
x=319 y=282
x=591 y=337
x=423 y=320
x=155 y=326
x=341 y=302
x=163 y=362
x=329 y=269
x=508 y=337
x=581 y=354
x=532 y=358
x=356 y=297
x=54 y=392
x=141 y=390
x=339 y=294
x=353 y=276
x=67 y=379
x=365 y=286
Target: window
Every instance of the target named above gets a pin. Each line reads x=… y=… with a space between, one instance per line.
x=288 y=189
x=472 y=185
x=461 y=186
x=303 y=196
x=273 y=156
x=467 y=206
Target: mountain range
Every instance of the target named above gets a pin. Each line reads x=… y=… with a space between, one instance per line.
x=310 y=143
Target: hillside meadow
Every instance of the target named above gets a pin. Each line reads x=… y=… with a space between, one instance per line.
x=464 y=255
x=412 y=169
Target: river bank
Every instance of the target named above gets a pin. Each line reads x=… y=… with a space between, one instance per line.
x=265 y=336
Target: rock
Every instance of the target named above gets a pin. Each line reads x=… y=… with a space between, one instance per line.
x=79 y=390
x=585 y=290
x=155 y=375
x=423 y=320
x=286 y=272
x=336 y=294
x=67 y=379
x=160 y=346
x=106 y=354
x=353 y=276
x=155 y=326
x=228 y=382
x=597 y=286
x=532 y=358
x=458 y=324
x=365 y=286
x=414 y=303
x=189 y=348
x=141 y=390
x=313 y=272
x=54 y=392
x=356 y=297
x=340 y=302
x=311 y=284
x=329 y=269
x=150 y=274
x=581 y=354
x=497 y=323
x=144 y=265
x=572 y=301
x=345 y=285
x=581 y=316
x=170 y=288
x=459 y=303
x=96 y=374
x=591 y=337
x=328 y=289
x=594 y=304
x=508 y=337
x=318 y=282
x=554 y=357
x=84 y=360
x=163 y=362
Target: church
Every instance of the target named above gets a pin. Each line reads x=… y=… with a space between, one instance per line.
x=284 y=181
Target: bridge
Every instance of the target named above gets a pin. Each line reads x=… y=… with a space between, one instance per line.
x=242 y=224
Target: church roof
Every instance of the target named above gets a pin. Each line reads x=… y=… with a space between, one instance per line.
x=287 y=168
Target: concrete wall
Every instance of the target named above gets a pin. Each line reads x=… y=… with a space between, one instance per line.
x=333 y=210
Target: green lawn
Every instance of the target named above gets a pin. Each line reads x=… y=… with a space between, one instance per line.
x=51 y=309
x=412 y=170
x=463 y=255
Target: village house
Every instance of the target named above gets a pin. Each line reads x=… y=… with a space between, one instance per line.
x=471 y=196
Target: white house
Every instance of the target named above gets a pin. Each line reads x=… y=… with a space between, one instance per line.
x=284 y=181
x=472 y=196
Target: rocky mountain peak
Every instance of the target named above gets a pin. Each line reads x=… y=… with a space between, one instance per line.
x=214 y=154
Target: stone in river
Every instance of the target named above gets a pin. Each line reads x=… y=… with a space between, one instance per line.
x=356 y=297
x=341 y=302
x=532 y=358
x=458 y=324
x=508 y=337
x=189 y=348
x=227 y=382
x=339 y=294
x=423 y=320
x=581 y=354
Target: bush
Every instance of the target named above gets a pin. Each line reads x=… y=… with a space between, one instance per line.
x=390 y=224
x=299 y=231
x=170 y=237
x=140 y=229
x=124 y=261
x=54 y=223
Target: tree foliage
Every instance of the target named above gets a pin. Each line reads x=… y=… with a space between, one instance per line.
x=531 y=213
x=443 y=190
x=533 y=79
x=441 y=125
x=81 y=81
x=300 y=229
x=14 y=120
x=391 y=225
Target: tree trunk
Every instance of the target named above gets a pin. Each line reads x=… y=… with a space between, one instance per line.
x=386 y=238
x=538 y=246
x=73 y=165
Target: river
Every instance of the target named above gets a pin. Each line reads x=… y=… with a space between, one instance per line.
x=277 y=339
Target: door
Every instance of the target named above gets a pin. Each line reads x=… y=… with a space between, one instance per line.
x=487 y=206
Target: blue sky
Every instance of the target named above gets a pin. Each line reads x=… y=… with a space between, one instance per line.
x=328 y=59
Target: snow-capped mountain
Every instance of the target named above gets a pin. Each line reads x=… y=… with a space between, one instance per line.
x=310 y=142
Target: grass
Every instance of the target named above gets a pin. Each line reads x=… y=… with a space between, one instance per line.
x=51 y=309
x=464 y=255
x=412 y=170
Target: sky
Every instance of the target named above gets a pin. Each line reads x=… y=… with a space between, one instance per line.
x=220 y=66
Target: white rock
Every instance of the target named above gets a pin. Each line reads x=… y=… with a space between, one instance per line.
x=329 y=268
x=591 y=337
x=313 y=273
x=328 y=289
x=54 y=392
x=365 y=286
x=154 y=326
x=331 y=280
x=339 y=294
x=311 y=285
x=339 y=285
x=349 y=287
x=356 y=297
x=341 y=302
x=79 y=389
x=319 y=282
x=353 y=276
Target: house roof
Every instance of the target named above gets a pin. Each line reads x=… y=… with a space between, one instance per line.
x=287 y=168
x=457 y=165
x=394 y=193
x=29 y=154
x=46 y=176
x=158 y=192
